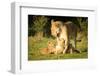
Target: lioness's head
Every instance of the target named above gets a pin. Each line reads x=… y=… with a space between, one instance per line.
x=55 y=27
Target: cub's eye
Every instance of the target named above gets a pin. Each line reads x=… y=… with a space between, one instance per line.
x=57 y=25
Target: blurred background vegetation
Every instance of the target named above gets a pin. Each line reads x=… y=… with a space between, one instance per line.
x=39 y=34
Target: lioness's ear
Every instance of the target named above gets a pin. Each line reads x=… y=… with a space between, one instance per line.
x=52 y=21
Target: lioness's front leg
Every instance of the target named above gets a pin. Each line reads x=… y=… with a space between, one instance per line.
x=66 y=47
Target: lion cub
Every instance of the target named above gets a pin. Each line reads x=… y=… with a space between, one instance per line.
x=49 y=49
x=60 y=46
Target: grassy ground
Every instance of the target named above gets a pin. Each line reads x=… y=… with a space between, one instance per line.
x=35 y=45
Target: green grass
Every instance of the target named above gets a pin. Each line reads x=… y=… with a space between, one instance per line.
x=35 y=45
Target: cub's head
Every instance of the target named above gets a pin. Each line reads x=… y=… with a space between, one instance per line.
x=55 y=28
x=50 y=44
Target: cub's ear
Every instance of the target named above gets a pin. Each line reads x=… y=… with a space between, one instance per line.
x=49 y=42
x=52 y=21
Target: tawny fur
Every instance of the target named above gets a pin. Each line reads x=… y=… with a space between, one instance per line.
x=60 y=46
x=65 y=30
x=49 y=49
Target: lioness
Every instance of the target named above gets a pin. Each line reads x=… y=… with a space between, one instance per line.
x=66 y=31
